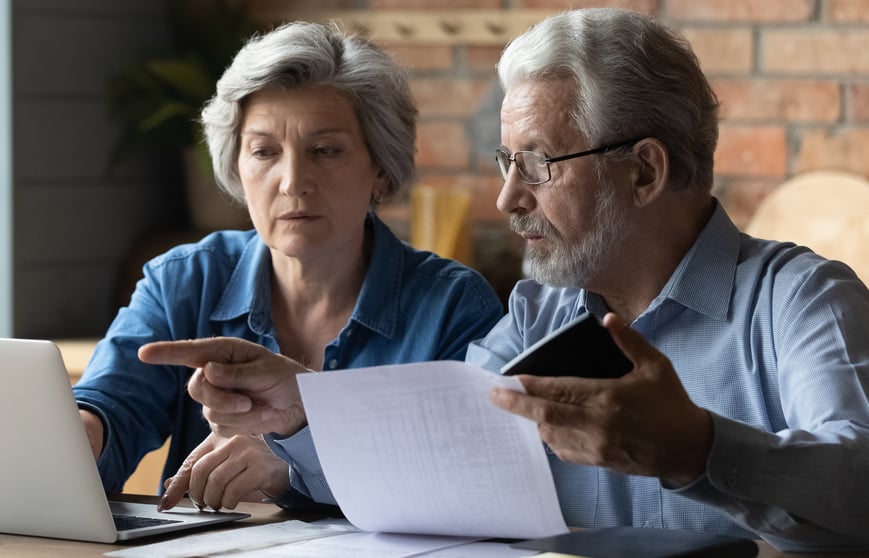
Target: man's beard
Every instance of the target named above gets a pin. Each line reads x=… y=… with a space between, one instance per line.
x=566 y=265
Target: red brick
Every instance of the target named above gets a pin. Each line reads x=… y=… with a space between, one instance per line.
x=756 y=151
x=433 y=4
x=721 y=50
x=283 y=10
x=847 y=11
x=778 y=99
x=442 y=145
x=645 y=6
x=857 y=102
x=765 y=11
x=423 y=57
x=741 y=197
x=815 y=51
x=842 y=149
x=449 y=97
x=483 y=58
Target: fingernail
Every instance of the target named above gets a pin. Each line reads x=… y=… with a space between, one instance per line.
x=243 y=405
x=163 y=505
x=217 y=369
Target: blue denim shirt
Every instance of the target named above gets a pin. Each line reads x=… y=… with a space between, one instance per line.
x=413 y=306
x=772 y=339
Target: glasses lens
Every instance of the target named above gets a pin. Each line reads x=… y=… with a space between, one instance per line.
x=532 y=166
x=503 y=160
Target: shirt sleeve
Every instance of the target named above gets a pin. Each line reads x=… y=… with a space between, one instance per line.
x=141 y=405
x=493 y=351
x=763 y=481
x=135 y=401
x=804 y=488
x=306 y=474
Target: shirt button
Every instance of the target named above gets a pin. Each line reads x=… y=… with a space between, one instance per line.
x=732 y=478
x=348 y=333
x=333 y=363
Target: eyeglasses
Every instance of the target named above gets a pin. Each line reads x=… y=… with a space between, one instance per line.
x=533 y=166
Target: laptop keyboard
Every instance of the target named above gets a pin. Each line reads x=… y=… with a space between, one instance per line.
x=127 y=522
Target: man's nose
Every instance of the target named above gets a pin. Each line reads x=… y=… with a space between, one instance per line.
x=515 y=196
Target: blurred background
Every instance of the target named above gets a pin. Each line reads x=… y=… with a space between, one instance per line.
x=94 y=179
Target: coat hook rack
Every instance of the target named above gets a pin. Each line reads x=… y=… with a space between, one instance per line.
x=478 y=27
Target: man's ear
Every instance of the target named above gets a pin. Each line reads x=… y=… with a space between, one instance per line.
x=653 y=171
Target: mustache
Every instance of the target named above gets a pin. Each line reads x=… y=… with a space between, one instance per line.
x=532 y=224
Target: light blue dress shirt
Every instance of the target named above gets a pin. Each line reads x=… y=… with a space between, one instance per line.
x=774 y=341
x=413 y=306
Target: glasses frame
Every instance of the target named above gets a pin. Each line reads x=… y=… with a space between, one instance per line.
x=511 y=159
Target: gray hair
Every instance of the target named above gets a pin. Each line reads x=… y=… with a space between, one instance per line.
x=300 y=55
x=635 y=77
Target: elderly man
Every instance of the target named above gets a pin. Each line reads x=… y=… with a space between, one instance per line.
x=747 y=410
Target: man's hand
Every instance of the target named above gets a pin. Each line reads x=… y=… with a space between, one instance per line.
x=222 y=472
x=244 y=388
x=641 y=424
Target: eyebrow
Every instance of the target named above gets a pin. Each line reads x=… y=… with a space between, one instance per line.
x=315 y=133
x=531 y=147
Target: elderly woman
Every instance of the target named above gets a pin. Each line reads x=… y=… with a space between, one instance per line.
x=310 y=129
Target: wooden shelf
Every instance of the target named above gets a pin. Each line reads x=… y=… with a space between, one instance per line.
x=476 y=27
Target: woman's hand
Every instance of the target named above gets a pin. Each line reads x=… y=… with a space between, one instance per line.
x=244 y=388
x=221 y=472
x=94 y=428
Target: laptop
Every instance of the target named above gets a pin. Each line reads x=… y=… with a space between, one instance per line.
x=49 y=483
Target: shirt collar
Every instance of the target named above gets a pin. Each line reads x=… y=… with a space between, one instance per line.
x=378 y=304
x=703 y=281
x=249 y=288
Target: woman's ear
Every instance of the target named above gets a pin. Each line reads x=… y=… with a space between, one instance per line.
x=381 y=187
x=653 y=172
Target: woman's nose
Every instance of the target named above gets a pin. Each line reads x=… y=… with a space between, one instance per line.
x=293 y=177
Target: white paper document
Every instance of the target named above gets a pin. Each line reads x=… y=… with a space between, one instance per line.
x=235 y=542
x=295 y=539
x=419 y=448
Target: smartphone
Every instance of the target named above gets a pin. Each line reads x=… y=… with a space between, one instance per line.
x=581 y=347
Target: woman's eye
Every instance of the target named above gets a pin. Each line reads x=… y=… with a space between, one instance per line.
x=261 y=152
x=326 y=151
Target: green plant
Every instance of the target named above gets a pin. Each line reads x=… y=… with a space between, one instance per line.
x=158 y=99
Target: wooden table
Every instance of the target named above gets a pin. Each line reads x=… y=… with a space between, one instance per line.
x=27 y=547
x=13 y=546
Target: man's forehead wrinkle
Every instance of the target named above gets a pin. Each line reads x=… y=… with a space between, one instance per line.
x=524 y=118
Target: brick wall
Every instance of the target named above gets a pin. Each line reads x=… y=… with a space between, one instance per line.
x=792 y=76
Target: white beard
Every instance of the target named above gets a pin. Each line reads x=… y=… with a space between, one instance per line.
x=574 y=265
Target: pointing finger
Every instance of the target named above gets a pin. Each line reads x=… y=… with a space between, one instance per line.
x=195 y=353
